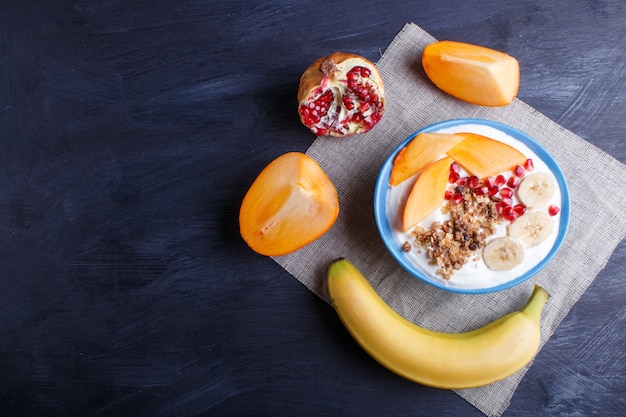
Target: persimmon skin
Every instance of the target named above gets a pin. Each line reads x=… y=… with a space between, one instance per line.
x=291 y=203
x=472 y=73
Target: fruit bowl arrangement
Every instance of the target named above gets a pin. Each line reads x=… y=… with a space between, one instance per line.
x=466 y=205
x=471 y=206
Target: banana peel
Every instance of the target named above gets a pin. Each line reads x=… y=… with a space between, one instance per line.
x=442 y=360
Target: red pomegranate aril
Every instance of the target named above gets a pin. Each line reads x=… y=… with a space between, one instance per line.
x=493 y=191
x=519 y=171
x=463 y=181
x=507 y=201
x=520 y=209
x=374 y=118
x=455 y=167
x=506 y=192
x=512 y=182
x=347 y=102
x=473 y=181
x=457 y=198
x=509 y=214
x=357 y=118
x=553 y=210
x=448 y=194
x=490 y=182
x=512 y=216
x=529 y=165
x=482 y=190
x=453 y=177
x=500 y=180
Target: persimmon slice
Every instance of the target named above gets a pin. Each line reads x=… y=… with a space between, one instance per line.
x=483 y=156
x=427 y=193
x=421 y=151
x=290 y=204
x=472 y=73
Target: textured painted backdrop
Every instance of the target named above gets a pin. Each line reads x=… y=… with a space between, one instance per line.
x=129 y=133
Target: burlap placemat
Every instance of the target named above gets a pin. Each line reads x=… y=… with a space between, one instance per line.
x=598 y=218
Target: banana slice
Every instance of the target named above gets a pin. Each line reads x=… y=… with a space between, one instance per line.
x=536 y=189
x=503 y=253
x=532 y=228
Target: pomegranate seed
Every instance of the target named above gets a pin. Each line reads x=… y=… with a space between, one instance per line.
x=453 y=177
x=353 y=74
x=500 y=180
x=458 y=198
x=512 y=182
x=463 y=181
x=519 y=209
x=482 y=190
x=529 y=165
x=512 y=216
x=455 y=167
x=519 y=171
x=364 y=106
x=509 y=214
x=553 y=210
x=473 y=181
x=365 y=72
x=506 y=192
x=507 y=201
x=490 y=182
x=448 y=195
x=347 y=102
x=493 y=191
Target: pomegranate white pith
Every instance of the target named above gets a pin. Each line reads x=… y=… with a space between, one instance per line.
x=340 y=95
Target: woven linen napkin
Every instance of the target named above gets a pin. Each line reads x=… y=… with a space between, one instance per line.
x=353 y=164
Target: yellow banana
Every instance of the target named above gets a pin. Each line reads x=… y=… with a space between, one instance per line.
x=442 y=360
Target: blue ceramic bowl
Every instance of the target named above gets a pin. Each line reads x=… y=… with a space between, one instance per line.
x=507 y=281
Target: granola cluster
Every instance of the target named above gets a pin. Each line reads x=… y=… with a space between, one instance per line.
x=452 y=243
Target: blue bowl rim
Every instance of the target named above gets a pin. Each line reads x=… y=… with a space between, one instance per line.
x=380 y=193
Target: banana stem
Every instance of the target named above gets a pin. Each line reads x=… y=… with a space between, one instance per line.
x=536 y=302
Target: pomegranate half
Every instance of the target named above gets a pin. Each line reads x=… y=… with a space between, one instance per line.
x=341 y=94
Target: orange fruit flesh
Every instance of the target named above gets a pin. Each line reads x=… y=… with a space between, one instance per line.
x=290 y=204
x=420 y=152
x=427 y=194
x=472 y=73
x=483 y=156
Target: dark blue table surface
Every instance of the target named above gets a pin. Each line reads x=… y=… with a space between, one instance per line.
x=129 y=133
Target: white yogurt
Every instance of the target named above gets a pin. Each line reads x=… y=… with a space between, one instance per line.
x=474 y=274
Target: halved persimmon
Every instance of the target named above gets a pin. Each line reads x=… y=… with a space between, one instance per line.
x=290 y=204
x=472 y=73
